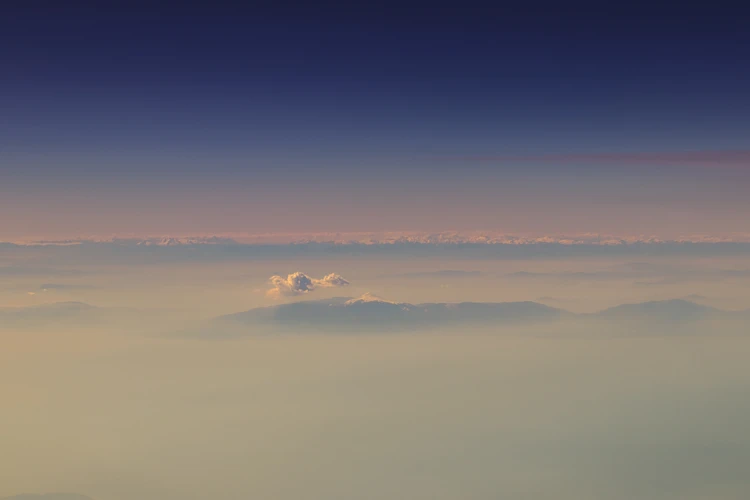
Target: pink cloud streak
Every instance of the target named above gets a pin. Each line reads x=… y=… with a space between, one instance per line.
x=738 y=158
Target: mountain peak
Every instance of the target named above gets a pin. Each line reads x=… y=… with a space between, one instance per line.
x=369 y=298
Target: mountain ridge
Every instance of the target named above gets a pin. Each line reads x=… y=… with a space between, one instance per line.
x=373 y=313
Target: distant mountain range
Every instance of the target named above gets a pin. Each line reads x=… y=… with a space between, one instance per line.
x=369 y=311
x=666 y=310
x=372 y=313
x=80 y=315
x=57 y=312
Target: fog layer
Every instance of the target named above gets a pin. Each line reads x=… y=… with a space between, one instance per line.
x=370 y=417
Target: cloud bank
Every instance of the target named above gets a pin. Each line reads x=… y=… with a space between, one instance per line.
x=300 y=283
x=488 y=237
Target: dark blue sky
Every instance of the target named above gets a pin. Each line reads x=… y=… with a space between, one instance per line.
x=272 y=95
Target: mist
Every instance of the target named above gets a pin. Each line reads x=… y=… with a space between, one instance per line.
x=397 y=416
x=619 y=390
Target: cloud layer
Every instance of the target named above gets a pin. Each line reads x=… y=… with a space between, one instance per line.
x=385 y=238
x=300 y=283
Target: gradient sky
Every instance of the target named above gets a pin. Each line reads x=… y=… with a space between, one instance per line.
x=617 y=119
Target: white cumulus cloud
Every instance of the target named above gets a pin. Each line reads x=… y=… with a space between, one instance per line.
x=300 y=283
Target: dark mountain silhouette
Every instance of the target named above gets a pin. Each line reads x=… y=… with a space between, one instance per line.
x=47 y=313
x=60 y=316
x=372 y=312
x=677 y=310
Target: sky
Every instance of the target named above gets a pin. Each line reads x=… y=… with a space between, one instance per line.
x=621 y=119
